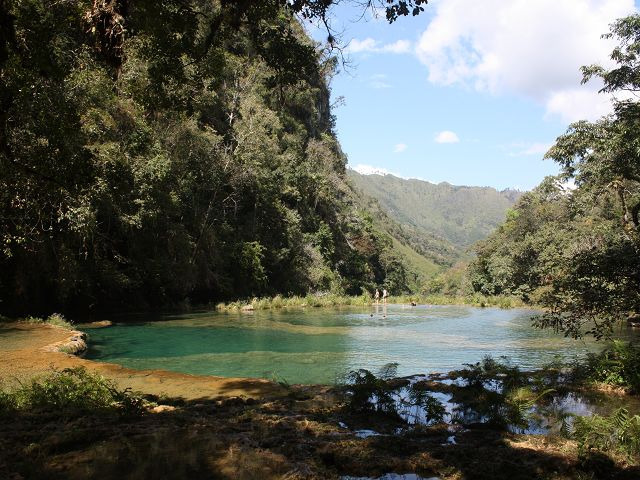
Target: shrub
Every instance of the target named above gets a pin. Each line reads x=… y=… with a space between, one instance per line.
x=53 y=319
x=498 y=393
x=619 y=432
x=72 y=391
x=7 y=402
x=618 y=365
x=369 y=393
x=433 y=410
x=59 y=320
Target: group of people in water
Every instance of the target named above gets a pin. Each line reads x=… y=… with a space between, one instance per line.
x=385 y=294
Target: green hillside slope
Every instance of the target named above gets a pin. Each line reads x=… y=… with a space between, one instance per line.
x=434 y=250
x=458 y=214
x=422 y=256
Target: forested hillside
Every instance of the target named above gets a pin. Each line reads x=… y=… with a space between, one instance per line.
x=443 y=219
x=438 y=251
x=157 y=152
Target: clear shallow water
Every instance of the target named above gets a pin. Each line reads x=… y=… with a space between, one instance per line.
x=13 y=338
x=320 y=345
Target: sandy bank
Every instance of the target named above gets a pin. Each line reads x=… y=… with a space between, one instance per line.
x=27 y=350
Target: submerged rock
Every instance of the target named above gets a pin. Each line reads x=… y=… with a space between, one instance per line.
x=395 y=383
x=100 y=324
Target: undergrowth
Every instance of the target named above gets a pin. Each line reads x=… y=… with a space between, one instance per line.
x=72 y=391
x=56 y=319
x=334 y=300
x=368 y=393
x=618 y=432
x=617 y=365
x=497 y=393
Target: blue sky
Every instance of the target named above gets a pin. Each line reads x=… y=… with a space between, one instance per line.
x=471 y=93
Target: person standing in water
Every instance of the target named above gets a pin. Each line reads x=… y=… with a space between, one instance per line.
x=377 y=296
x=385 y=294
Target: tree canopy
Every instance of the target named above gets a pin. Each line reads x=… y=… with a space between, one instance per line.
x=157 y=152
x=576 y=250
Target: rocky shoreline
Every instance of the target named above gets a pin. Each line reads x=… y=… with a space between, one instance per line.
x=76 y=344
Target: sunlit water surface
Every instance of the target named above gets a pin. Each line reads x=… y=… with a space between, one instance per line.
x=321 y=345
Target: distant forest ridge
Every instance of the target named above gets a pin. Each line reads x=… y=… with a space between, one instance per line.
x=459 y=215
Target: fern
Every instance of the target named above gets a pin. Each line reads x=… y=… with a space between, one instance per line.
x=619 y=432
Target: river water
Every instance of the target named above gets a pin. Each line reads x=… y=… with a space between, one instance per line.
x=321 y=345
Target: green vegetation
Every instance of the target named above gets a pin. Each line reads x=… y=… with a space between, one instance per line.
x=297 y=436
x=368 y=393
x=453 y=282
x=456 y=216
x=70 y=392
x=278 y=301
x=330 y=300
x=53 y=319
x=155 y=153
x=158 y=153
x=575 y=250
x=81 y=425
x=618 y=432
x=424 y=254
x=498 y=394
x=617 y=365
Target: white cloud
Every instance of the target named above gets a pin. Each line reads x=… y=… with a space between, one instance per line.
x=371 y=170
x=366 y=45
x=527 y=149
x=378 y=81
x=400 y=46
x=379 y=84
x=369 y=45
x=446 y=136
x=399 y=148
x=578 y=103
x=363 y=169
x=529 y=48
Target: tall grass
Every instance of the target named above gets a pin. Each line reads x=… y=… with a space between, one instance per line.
x=333 y=300
x=56 y=319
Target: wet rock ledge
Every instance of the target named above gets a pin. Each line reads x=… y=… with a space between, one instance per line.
x=76 y=344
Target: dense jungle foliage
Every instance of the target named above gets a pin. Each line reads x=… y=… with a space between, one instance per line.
x=159 y=152
x=576 y=250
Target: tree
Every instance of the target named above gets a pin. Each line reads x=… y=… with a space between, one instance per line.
x=604 y=160
x=581 y=247
x=145 y=161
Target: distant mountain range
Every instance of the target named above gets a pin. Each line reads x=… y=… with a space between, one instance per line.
x=439 y=221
